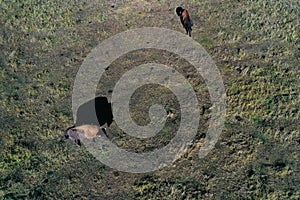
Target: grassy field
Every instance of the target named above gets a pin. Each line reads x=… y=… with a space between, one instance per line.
x=255 y=45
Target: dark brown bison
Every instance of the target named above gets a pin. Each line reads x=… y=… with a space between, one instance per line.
x=185 y=19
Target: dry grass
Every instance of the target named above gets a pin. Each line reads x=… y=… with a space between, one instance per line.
x=255 y=45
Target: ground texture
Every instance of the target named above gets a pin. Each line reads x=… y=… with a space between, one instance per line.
x=255 y=45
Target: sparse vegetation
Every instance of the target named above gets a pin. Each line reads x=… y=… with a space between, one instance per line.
x=255 y=45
